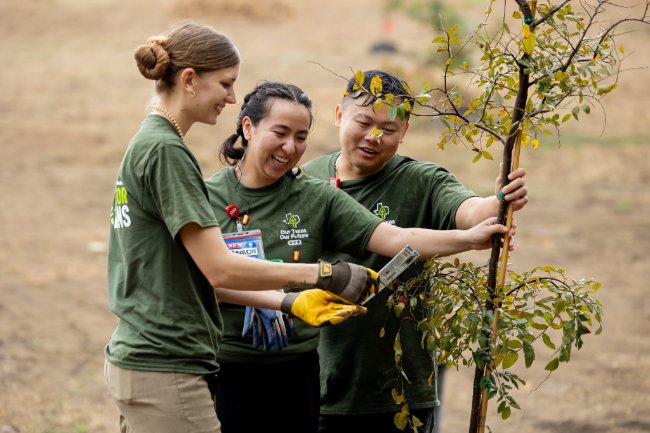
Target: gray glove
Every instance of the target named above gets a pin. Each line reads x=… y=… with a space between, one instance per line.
x=347 y=280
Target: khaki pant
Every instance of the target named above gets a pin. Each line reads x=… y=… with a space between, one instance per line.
x=153 y=402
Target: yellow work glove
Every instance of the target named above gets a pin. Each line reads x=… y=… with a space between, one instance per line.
x=319 y=308
x=347 y=280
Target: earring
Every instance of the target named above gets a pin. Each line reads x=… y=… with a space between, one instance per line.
x=193 y=93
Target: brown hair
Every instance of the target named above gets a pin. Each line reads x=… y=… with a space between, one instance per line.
x=186 y=45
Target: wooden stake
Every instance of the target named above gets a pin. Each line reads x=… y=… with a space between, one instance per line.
x=500 y=281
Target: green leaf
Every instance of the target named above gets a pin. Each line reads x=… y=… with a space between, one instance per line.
x=552 y=365
x=401 y=113
x=398 y=308
x=538 y=326
x=529 y=353
x=547 y=341
x=397 y=345
x=423 y=98
x=509 y=360
x=575 y=112
x=392 y=113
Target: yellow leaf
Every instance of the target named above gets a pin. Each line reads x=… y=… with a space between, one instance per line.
x=375 y=85
x=561 y=75
x=621 y=49
x=359 y=77
x=525 y=31
x=606 y=90
x=535 y=143
x=529 y=44
x=397 y=398
x=525 y=140
x=382 y=332
x=400 y=418
x=416 y=421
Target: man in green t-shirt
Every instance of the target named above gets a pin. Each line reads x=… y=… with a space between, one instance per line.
x=357 y=365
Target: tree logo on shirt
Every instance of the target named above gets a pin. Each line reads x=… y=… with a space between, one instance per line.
x=382 y=211
x=291 y=219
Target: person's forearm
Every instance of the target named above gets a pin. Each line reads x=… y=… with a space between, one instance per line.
x=388 y=240
x=263 y=299
x=436 y=243
x=476 y=209
x=238 y=272
x=224 y=268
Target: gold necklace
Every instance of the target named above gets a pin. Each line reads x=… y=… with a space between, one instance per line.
x=171 y=119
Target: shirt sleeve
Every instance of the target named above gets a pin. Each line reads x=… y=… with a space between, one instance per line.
x=350 y=224
x=445 y=194
x=177 y=188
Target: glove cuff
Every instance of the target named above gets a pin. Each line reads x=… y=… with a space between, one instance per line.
x=335 y=282
x=287 y=303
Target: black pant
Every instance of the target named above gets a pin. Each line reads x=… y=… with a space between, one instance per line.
x=375 y=423
x=269 y=397
x=383 y=422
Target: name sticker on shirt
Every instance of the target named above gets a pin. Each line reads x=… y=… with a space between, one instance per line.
x=247 y=243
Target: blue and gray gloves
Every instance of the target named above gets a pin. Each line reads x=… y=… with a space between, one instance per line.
x=269 y=327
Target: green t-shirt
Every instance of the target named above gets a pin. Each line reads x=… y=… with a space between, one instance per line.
x=168 y=316
x=357 y=365
x=294 y=214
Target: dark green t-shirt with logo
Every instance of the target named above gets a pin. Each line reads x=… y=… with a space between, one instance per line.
x=295 y=214
x=168 y=316
x=357 y=365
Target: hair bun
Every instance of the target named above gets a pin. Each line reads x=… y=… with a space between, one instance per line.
x=152 y=59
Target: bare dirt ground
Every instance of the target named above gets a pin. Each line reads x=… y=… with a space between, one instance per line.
x=72 y=97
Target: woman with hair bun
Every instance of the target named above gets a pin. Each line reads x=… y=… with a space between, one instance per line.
x=167 y=254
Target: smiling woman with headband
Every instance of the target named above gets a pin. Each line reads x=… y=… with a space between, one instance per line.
x=291 y=218
x=166 y=251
